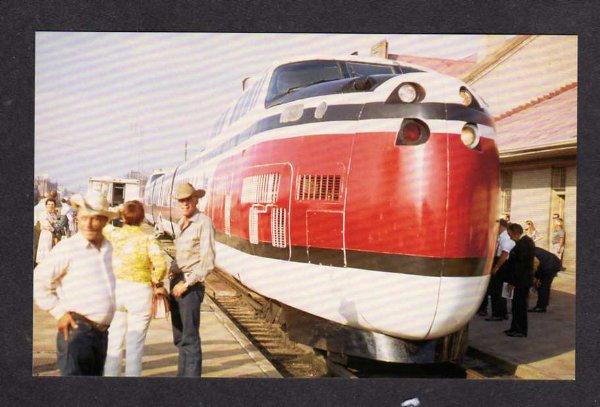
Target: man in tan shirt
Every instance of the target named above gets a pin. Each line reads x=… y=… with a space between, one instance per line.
x=194 y=259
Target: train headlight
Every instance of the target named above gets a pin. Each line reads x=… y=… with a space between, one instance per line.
x=470 y=136
x=465 y=95
x=412 y=132
x=407 y=93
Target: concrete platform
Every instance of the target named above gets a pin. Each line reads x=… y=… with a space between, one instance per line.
x=548 y=352
x=226 y=351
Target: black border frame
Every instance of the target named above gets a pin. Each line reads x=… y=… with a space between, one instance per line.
x=20 y=20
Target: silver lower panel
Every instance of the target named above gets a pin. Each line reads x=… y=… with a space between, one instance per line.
x=341 y=339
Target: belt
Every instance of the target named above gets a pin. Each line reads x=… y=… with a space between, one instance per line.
x=95 y=325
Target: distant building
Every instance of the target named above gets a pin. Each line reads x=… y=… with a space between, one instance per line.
x=43 y=184
x=140 y=176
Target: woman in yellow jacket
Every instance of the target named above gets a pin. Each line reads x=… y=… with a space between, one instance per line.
x=139 y=265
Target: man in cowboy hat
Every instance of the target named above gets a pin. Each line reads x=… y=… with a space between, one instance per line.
x=76 y=284
x=194 y=259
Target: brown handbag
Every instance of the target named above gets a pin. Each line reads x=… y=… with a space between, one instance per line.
x=160 y=306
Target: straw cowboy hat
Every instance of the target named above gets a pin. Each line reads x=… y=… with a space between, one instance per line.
x=185 y=190
x=93 y=204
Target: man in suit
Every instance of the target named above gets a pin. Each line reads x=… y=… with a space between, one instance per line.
x=504 y=245
x=549 y=265
x=520 y=275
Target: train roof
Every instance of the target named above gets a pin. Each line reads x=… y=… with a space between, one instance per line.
x=351 y=58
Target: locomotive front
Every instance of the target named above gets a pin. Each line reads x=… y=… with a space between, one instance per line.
x=431 y=189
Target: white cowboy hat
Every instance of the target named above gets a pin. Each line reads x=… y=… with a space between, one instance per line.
x=186 y=190
x=93 y=204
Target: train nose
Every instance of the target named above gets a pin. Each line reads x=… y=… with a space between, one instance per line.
x=472 y=185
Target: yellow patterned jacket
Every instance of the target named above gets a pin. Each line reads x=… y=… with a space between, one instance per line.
x=136 y=255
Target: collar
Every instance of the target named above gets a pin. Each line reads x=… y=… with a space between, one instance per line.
x=193 y=219
x=83 y=242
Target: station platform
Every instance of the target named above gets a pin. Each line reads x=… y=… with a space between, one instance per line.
x=226 y=352
x=548 y=352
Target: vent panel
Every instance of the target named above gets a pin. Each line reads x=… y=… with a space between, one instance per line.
x=318 y=187
x=263 y=188
x=278 y=227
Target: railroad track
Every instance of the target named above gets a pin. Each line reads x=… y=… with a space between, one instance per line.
x=255 y=316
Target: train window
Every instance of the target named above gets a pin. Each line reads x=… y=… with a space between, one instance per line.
x=409 y=69
x=290 y=77
x=262 y=188
x=318 y=187
x=362 y=69
x=258 y=90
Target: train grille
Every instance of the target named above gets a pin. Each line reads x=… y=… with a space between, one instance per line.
x=318 y=187
x=278 y=219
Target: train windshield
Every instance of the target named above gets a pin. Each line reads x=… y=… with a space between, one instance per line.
x=363 y=69
x=290 y=77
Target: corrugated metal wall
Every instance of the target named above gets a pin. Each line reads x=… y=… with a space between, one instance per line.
x=531 y=200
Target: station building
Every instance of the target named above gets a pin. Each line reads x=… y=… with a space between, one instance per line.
x=530 y=84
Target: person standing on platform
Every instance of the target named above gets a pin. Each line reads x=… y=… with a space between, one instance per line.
x=76 y=284
x=139 y=266
x=558 y=239
x=40 y=208
x=194 y=259
x=549 y=266
x=520 y=276
x=49 y=227
x=504 y=245
x=532 y=232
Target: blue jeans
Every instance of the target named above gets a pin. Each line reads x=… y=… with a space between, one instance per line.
x=185 y=318
x=83 y=353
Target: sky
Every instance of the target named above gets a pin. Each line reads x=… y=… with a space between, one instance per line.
x=108 y=103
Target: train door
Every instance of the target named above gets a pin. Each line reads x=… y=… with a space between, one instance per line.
x=322 y=194
x=266 y=199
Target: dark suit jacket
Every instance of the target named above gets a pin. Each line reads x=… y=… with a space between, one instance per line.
x=549 y=263
x=520 y=269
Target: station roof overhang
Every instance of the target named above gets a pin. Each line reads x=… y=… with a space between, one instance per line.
x=565 y=149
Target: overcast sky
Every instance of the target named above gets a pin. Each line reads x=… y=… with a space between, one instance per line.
x=108 y=103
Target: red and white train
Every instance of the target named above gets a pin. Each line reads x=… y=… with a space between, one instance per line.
x=359 y=191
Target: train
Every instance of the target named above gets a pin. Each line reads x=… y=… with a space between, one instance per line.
x=359 y=194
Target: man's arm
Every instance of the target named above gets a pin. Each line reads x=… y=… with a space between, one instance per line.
x=501 y=260
x=207 y=254
x=45 y=277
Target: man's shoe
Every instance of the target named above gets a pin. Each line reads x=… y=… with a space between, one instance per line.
x=482 y=313
x=513 y=334
x=494 y=319
x=506 y=331
x=537 y=309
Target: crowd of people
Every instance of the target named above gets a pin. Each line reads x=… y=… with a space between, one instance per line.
x=102 y=283
x=518 y=266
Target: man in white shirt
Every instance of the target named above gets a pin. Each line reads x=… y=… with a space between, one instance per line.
x=504 y=244
x=76 y=284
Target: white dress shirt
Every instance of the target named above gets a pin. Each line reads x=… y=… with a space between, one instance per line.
x=76 y=276
x=505 y=243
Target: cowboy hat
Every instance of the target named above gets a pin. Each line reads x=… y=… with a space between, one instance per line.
x=93 y=204
x=185 y=190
